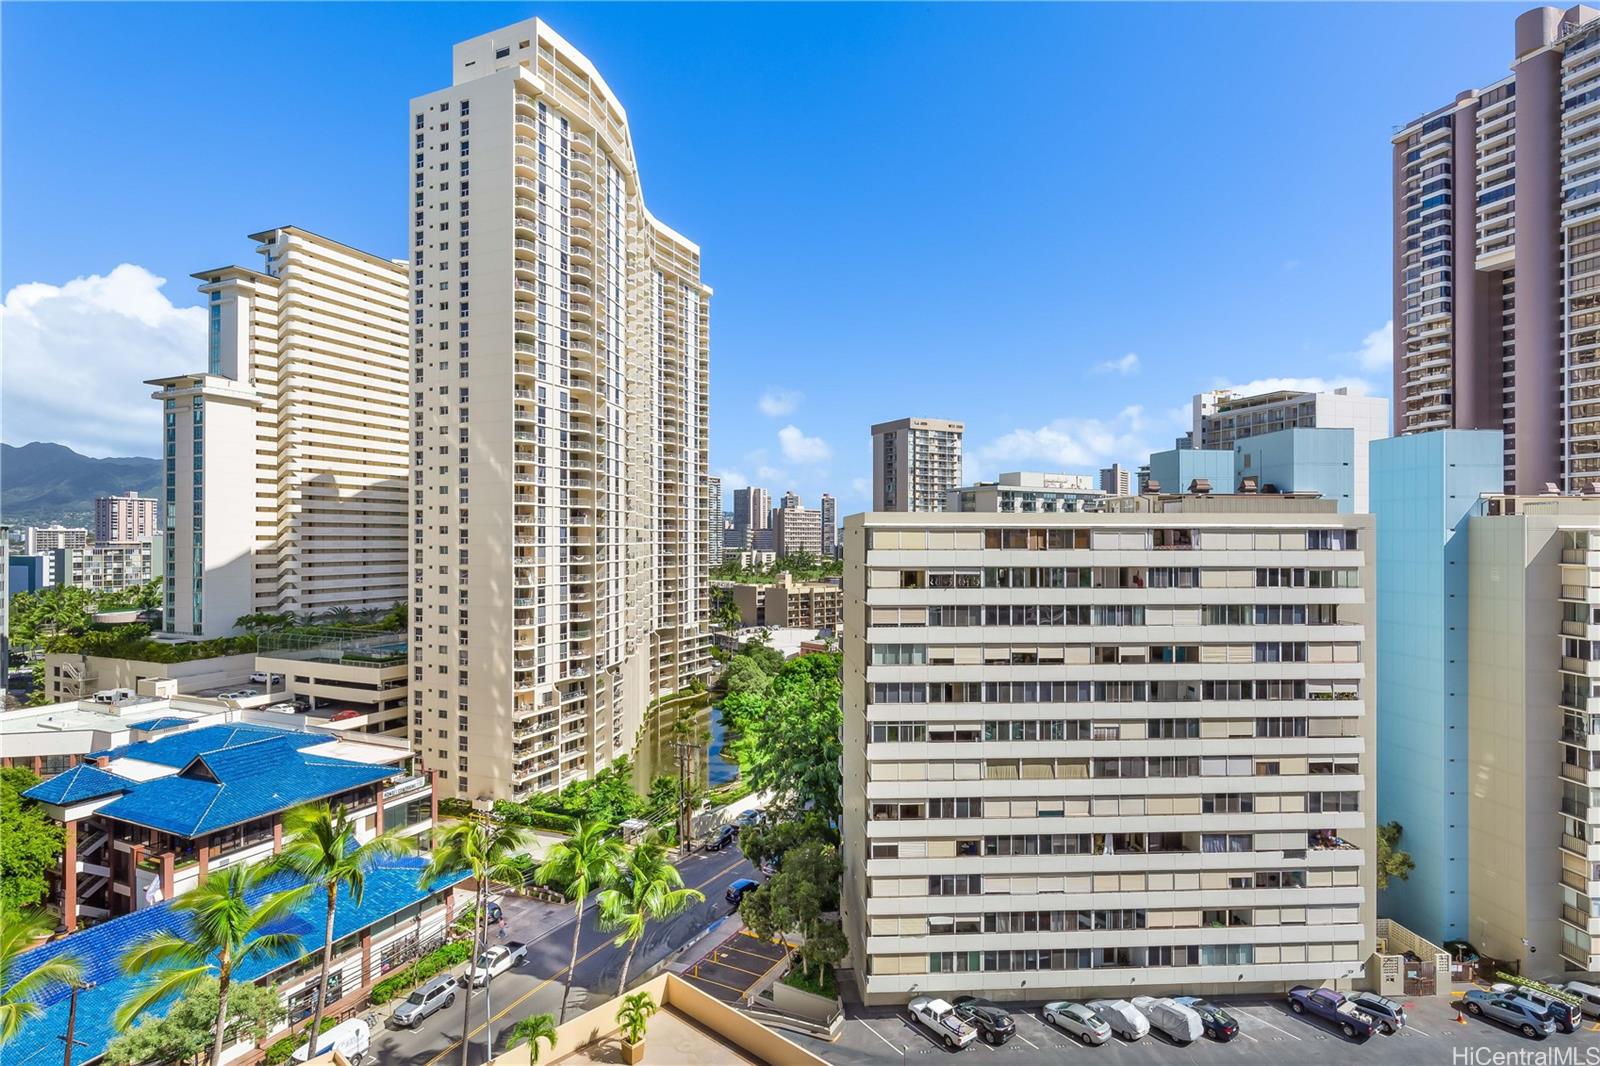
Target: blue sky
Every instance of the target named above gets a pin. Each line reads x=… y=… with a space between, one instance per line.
x=1053 y=222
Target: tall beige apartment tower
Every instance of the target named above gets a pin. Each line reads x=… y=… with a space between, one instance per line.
x=560 y=508
x=915 y=463
x=125 y=519
x=1092 y=753
x=1497 y=257
x=286 y=459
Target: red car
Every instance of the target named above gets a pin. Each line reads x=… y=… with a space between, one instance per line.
x=343 y=715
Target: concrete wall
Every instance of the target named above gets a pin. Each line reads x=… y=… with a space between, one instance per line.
x=61 y=673
x=1175 y=468
x=1302 y=460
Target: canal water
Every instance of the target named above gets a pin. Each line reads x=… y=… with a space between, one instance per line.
x=702 y=723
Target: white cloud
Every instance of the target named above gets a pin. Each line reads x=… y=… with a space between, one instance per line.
x=775 y=403
x=769 y=475
x=731 y=479
x=1128 y=364
x=1067 y=445
x=799 y=448
x=1377 y=348
x=79 y=355
x=1357 y=386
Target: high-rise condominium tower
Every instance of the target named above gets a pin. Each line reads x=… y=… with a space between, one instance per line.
x=560 y=359
x=286 y=458
x=830 y=526
x=1497 y=257
x=915 y=463
x=127 y=519
x=714 y=521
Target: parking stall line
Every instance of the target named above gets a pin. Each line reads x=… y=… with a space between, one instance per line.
x=1414 y=1029
x=1266 y=1023
x=1030 y=1043
x=897 y=1048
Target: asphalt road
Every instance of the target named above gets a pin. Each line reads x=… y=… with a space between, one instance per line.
x=535 y=987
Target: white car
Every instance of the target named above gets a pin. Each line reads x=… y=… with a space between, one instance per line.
x=1124 y=1019
x=1182 y=1025
x=230 y=695
x=939 y=1018
x=496 y=961
x=261 y=677
x=1078 y=1020
x=352 y=1039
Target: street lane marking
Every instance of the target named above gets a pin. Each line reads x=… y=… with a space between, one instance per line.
x=1030 y=1043
x=898 y=1049
x=1414 y=1029
x=548 y=981
x=1268 y=1024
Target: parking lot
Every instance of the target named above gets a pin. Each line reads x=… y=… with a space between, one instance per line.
x=729 y=970
x=1268 y=1033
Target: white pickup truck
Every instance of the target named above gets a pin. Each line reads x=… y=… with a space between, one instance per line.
x=940 y=1019
x=496 y=961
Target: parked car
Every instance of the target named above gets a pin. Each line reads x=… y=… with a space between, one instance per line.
x=1526 y=1018
x=1390 y=1016
x=992 y=1021
x=1078 y=1020
x=1124 y=1020
x=496 y=961
x=1586 y=992
x=752 y=817
x=249 y=692
x=495 y=913
x=261 y=677
x=1180 y=1024
x=344 y=715
x=352 y=1039
x=722 y=838
x=940 y=1018
x=1331 y=1006
x=423 y=1002
x=1567 y=1016
x=1461 y=950
x=739 y=889
x=1219 y=1024
x=230 y=695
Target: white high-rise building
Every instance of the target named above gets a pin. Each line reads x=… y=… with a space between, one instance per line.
x=286 y=459
x=1091 y=754
x=561 y=388
x=51 y=538
x=714 y=521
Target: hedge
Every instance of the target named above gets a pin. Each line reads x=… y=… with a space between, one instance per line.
x=430 y=965
x=283 y=1050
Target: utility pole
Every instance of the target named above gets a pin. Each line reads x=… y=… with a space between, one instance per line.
x=72 y=1021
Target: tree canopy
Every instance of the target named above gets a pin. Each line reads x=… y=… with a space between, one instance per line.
x=791 y=748
x=30 y=844
x=186 y=1032
x=1392 y=862
x=801 y=897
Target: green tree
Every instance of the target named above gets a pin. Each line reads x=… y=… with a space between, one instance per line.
x=634 y=1015
x=649 y=889
x=186 y=1031
x=744 y=677
x=231 y=918
x=395 y=617
x=802 y=897
x=321 y=847
x=43 y=619
x=1392 y=862
x=774 y=838
x=792 y=749
x=532 y=1031
x=21 y=989
x=588 y=861
x=30 y=842
x=486 y=851
x=264 y=622
x=338 y=616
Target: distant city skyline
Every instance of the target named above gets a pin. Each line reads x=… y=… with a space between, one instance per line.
x=1053 y=366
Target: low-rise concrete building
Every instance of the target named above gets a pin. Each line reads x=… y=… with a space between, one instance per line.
x=787 y=603
x=1028 y=492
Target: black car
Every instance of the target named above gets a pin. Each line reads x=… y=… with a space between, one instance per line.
x=722 y=838
x=992 y=1021
x=739 y=889
x=1219 y=1024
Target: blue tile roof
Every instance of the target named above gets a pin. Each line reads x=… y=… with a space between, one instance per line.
x=226 y=775
x=155 y=724
x=82 y=782
x=391 y=887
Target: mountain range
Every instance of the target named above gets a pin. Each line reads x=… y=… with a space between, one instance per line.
x=42 y=483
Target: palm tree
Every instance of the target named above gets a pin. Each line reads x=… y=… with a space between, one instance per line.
x=485 y=851
x=338 y=616
x=651 y=889
x=19 y=991
x=634 y=1014
x=232 y=917
x=587 y=861
x=533 y=1030
x=320 y=846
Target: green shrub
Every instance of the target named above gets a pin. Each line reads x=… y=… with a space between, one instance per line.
x=430 y=965
x=283 y=1050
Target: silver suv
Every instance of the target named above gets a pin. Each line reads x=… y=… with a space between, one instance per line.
x=430 y=998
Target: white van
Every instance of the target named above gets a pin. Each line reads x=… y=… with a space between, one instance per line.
x=1124 y=1019
x=350 y=1039
x=1586 y=992
x=1181 y=1024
